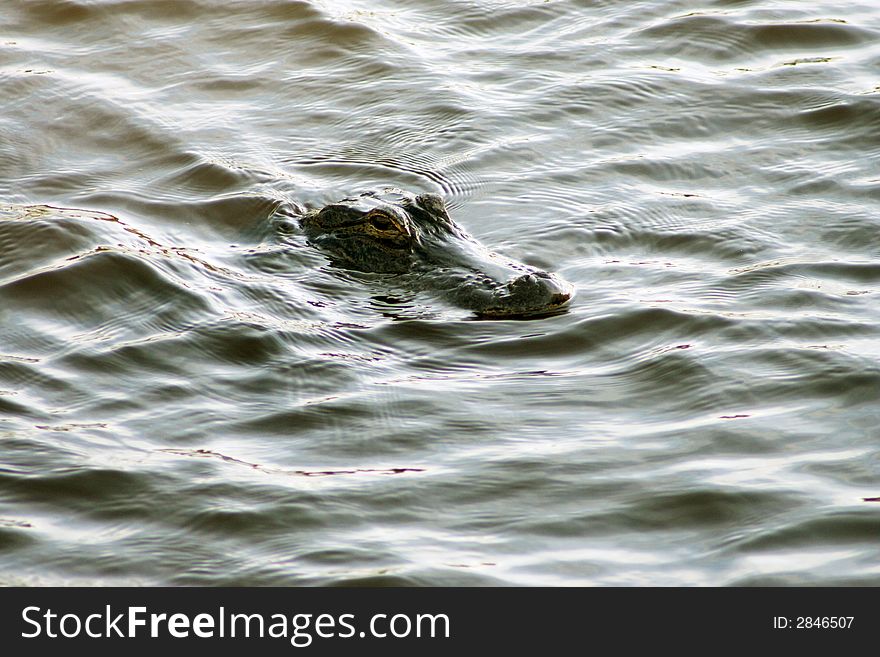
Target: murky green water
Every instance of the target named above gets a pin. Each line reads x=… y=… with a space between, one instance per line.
x=190 y=394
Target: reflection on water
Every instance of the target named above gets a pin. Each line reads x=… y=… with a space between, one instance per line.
x=191 y=394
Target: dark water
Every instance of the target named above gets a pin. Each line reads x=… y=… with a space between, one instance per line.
x=190 y=394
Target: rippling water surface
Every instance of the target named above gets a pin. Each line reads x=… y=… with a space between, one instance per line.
x=192 y=394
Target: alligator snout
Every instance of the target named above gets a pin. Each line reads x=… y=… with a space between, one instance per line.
x=534 y=293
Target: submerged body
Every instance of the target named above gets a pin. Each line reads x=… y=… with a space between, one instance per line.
x=402 y=233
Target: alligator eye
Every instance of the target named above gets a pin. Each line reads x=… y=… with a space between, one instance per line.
x=381 y=222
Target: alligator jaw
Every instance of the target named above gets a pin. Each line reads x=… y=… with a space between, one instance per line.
x=511 y=292
x=532 y=295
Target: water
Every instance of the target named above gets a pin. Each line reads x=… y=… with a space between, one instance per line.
x=191 y=394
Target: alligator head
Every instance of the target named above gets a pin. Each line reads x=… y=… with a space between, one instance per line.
x=401 y=233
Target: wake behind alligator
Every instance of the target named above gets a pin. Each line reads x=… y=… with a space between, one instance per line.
x=397 y=232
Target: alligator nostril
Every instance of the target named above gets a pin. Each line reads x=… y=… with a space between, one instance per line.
x=525 y=280
x=539 y=289
x=532 y=281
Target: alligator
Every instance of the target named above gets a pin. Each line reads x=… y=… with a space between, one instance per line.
x=397 y=232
